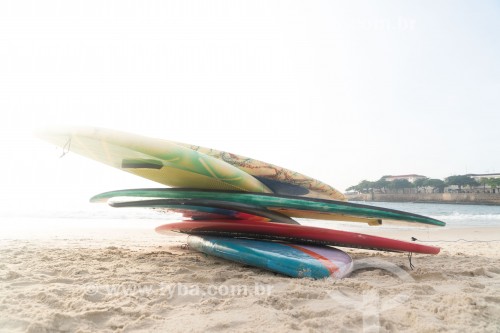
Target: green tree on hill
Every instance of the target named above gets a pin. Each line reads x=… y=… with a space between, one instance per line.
x=400 y=184
x=435 y=184
x=461 y=181
x=381 y=184
x=364 y=186
x=484 y=182
x=420 y=183
x=494 y=183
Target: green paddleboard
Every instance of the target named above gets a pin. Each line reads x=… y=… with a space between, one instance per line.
x=288 y=205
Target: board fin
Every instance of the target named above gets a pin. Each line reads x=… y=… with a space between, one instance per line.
x=141 y=164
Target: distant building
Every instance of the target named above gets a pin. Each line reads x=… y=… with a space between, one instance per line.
x=478 y=176
x=410 y=178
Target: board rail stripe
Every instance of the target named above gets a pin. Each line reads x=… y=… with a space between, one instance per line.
x=331 y=267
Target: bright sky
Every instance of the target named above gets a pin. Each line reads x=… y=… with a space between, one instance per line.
x=338 y=90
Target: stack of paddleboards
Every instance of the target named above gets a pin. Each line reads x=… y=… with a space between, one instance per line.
x=238 y=208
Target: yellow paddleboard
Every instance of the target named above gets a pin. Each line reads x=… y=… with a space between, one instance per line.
x=162 y=161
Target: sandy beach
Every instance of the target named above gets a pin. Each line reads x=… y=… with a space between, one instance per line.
x=134 y=280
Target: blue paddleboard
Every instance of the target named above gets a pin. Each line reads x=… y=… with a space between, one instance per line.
x=293 y=260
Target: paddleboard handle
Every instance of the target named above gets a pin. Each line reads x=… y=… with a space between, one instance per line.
x=66 y=148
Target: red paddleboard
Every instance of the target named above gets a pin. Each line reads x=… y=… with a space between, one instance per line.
x=295 y=234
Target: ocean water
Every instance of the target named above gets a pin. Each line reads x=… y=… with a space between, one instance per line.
x=455 y=215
